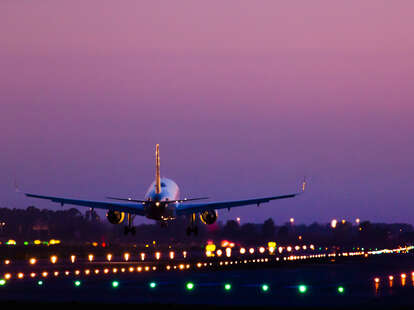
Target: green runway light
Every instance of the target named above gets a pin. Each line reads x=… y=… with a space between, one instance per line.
x=189 y=286
x=2 y=282
x=341 y=289
x=265 y=287
x=40 y=282
x=115 y=284
x=227 y=286
x=153 y=285
x=77 y=283
x=302 y=289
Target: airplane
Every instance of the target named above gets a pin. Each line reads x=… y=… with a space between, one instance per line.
x=162 y=203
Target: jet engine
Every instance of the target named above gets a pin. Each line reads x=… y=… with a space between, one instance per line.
x=209 y=217
x=115 y=217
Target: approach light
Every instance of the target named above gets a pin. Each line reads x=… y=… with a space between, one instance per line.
x=77 y=283
x=40 y=282
x=152 y=284
x=115 y=284
x=302 y=288
x=341 y=289
x=227 y=286
x=189 y=286
x=2 y=282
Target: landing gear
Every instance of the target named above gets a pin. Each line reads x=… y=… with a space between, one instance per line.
x=192 y=228
x=130 y=229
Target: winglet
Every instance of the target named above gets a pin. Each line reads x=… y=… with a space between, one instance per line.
x=157 y=170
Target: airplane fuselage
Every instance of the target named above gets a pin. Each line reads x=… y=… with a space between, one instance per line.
x=161 y=206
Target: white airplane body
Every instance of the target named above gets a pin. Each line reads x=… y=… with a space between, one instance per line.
x=162 y=203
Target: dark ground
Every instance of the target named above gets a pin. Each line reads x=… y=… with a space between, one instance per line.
x=322 y=281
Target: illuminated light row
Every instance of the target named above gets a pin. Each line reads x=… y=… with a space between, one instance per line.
x=391 y=278
x=219 y=252
x=54 y=258
x=109 y=257
x=44 y=274
x=189 y=286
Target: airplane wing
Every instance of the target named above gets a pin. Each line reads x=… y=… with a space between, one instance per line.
x=115 y=206
x=184 y=209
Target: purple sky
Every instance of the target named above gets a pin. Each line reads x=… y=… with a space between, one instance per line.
x=244 y=98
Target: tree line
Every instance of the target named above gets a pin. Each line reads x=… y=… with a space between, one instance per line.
x=72 y=226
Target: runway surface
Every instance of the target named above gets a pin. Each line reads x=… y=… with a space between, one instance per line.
x=379 y=280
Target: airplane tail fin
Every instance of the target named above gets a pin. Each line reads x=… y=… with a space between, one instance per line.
x=157 y=170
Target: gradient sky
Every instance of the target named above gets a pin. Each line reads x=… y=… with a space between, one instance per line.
x=244 y=98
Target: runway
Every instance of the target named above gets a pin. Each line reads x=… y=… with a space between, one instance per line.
x=370 y=278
